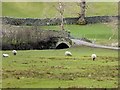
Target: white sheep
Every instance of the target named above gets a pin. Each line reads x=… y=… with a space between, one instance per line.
x=114 y=44
x=14 y=52
x=67 y=53
x=93 y=56
x=5 y=55
x=48 y=23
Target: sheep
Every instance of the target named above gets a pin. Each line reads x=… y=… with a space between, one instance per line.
x=67 y=53
x=114 y=44
x=5 y=55
x=93 y=56
x=14 y=52
x=48 y=23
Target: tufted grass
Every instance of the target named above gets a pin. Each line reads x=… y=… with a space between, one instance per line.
x=51 y=69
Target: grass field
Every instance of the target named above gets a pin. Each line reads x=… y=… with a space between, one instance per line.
x=51 y=69
x=43 y=10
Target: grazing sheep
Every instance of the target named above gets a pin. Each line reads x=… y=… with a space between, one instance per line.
x=93 y=56
x=67 y=53
x=5 y=55
x=114 y=44
x=14 y=52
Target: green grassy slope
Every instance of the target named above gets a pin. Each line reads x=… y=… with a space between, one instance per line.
x=42 y=10
x=51 y=69
x=100 y=32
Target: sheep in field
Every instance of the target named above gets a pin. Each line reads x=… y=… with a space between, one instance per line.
x=114 y=44
x=5 y=55
x=67 y=53
x=14 y=52
x=93 y=56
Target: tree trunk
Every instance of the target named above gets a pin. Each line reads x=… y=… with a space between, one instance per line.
x=81 y=20
x=61 y=10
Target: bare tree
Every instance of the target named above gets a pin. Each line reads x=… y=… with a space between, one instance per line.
x=81 y=19
x=60 y=9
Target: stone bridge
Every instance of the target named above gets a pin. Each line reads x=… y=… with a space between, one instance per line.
x=26 y=38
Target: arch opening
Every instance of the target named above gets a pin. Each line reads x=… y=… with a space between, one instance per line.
x=62 y=46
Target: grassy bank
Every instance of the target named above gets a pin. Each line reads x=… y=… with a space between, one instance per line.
x=100 y=32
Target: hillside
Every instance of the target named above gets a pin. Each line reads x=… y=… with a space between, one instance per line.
x=43 y=10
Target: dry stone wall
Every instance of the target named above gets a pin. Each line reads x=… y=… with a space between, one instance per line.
x=54 y=21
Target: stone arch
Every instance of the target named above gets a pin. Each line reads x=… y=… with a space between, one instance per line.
x=62 y=45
